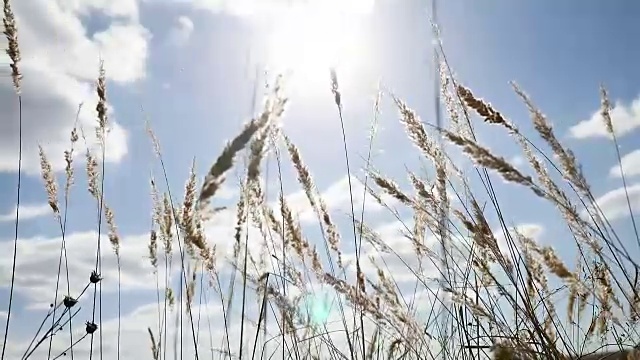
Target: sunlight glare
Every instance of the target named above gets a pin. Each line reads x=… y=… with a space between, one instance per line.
x=310 y=37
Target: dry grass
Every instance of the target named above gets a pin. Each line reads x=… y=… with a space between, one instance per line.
x=507 y=285
x=13 y=50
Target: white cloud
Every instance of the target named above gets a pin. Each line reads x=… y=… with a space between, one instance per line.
x=625 y=119
x=532 y=231
x=123 y=47
x=116 y=8
x=27 y=211
x=135 y=341
x=630 y=165
x=60 y=65
x=266 y=8
x=220 y=231
x=211 y=334
x=50 y=103
x=337 y=199
x=36 y=269
x=181 y=32
x=38 y=258
x=614 y=203
x=399 y=259
x=402 y=263
x=60 y=40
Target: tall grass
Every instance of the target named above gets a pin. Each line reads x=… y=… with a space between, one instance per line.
x=13 y=50
x=505 y=292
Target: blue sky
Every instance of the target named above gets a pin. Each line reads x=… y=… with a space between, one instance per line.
x=189 y=66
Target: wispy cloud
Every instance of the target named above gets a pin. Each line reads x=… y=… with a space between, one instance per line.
x=625 y=118
x=49 y=32
x=338 y=199
x=135 y=336
x=614 y=203
x=532 y=231
x=265 y=8
x=181 y=31
x=38 y=258
x=630 y=165
x=27 y=211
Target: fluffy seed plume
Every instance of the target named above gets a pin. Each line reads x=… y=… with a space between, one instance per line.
x=114 y=238
x=455 y=109
x=101 y=107
x=92 y=175
x=50 y=183
x=11 y=32
x=390 y=187
x=154 y=139
x=484 y=157
x=484 y=109
x=257 y=150
x=68 y=159
x=416 y=131
x=605 y=110
x=303 y=173
x=153 y=250
x=572 y=171
x=334 y=87
x=214 y=179
x=187 y=213
x=191 y=223
x=274 y=108
x=166 y=225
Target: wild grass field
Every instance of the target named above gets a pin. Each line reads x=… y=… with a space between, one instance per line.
x=459 y=281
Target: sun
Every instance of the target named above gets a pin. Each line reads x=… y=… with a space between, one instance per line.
x=308 y=38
